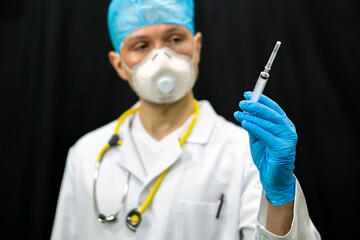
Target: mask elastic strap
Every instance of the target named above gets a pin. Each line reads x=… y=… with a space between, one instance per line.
x=194 y=52
x=124 y=65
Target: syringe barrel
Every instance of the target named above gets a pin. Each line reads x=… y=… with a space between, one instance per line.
x=260 y=85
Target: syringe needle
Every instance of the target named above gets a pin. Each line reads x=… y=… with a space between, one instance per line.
x=272 y=56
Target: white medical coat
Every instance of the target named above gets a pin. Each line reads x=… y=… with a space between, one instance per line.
x=214 y=160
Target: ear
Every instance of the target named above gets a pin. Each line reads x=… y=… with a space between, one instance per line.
x=198 y=45
x=115 y=61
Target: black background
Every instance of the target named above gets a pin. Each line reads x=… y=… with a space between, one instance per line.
x=57 y=84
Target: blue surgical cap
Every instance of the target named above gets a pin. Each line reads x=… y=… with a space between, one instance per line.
x=126 y=16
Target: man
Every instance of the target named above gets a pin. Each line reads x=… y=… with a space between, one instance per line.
x=177 y=169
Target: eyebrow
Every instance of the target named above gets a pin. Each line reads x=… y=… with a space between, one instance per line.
x=136 y=38
x=173 y=29
x=144 y=37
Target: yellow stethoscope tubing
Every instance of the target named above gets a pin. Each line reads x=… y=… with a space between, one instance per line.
x=116 y=132
x=158 y=182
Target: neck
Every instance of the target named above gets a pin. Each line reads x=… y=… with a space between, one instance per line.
x=161 y=119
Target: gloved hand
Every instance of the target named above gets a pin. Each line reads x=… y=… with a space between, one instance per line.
x=273 y=141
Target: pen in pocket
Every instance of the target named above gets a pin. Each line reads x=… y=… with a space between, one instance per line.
x=220 y=206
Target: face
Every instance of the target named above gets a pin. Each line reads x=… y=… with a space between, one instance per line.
x=137 y=45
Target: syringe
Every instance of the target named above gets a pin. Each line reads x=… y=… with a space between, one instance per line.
x=264 y=75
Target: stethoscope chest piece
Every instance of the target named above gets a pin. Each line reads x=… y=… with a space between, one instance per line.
x=133 y=219
x=103 y=219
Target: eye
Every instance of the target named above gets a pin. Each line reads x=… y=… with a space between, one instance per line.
x=140 y=46
x=175 y=39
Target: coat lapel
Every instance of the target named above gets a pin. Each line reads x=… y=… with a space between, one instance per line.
x=130 y=159
x=199 y=135
x=165 y=160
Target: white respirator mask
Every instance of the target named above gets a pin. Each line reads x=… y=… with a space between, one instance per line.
x=164 y=76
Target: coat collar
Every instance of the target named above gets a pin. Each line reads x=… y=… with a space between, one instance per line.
x=203 y=127
x=204 y=124
x=200 y=134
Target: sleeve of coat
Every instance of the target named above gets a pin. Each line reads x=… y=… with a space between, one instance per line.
x=63 y=223
x=301 y=228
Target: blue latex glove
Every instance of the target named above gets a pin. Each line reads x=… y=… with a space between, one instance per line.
x=273 y=141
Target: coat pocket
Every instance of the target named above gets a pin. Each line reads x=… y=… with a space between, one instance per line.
x=197 y=220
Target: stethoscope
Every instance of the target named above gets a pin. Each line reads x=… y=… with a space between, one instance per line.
x=133 y=218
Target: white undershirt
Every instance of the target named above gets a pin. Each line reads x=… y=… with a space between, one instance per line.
x=149 y=148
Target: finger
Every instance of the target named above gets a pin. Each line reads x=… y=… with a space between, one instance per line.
x=268 y=126
x=239 y=118
x=267 y=102
x=262 y=111
x=253 y=129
